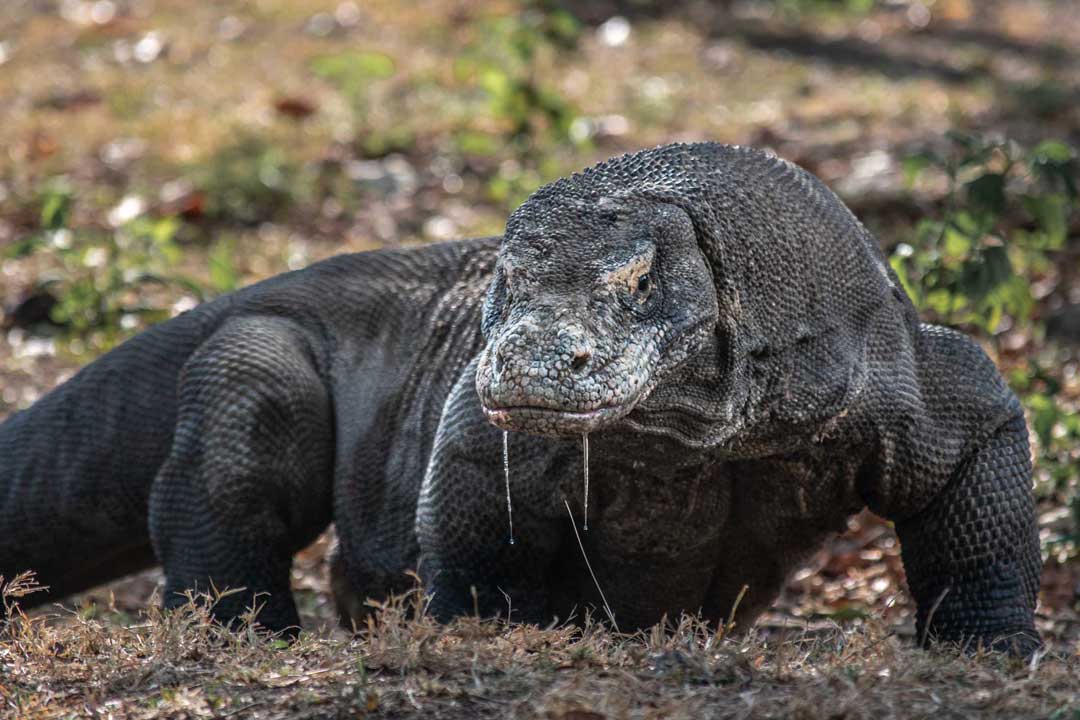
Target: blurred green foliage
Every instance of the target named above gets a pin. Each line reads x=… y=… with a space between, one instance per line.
x=108 y=281
x=355 y=73
x=503 y=63
x=532 y=117
x=796 y=8
x=250 y=180
x=1006 y=213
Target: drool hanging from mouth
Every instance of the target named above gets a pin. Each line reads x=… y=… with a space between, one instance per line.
x=585 y=448
x=506 y=471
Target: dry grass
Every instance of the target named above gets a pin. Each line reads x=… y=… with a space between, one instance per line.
x=180 y=665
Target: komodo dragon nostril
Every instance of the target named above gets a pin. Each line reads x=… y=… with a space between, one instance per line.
x=580 y=360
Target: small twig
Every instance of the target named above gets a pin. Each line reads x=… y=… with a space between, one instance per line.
x=509 y=604
x=930 y=615
x=730 y=624
x=607 y=608
x=244 y=708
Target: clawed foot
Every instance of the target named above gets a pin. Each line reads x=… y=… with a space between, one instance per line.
x=1019 y=643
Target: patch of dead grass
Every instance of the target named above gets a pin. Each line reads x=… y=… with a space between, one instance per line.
x=179 y=664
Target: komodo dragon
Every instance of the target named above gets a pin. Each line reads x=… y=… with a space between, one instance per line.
x=714 y=321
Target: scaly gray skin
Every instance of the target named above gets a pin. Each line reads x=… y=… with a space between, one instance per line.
x=767 y=379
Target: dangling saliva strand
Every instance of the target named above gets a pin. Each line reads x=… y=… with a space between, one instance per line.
x=585 y=447
x=506 y=472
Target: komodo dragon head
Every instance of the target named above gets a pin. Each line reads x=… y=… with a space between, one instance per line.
x=595 y=299
x=708 y=293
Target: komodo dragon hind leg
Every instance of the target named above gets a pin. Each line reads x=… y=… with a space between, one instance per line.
x=247 y=482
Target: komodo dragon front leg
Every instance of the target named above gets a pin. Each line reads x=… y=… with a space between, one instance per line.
x=467 y=562
x=955 y=477
x=972 y=555
x=247 y=482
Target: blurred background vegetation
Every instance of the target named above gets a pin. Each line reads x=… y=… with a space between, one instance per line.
x=156 y=153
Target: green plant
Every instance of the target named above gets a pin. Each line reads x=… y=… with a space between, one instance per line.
x=798 y=8
x=528 y=116
x=1006 y=215
x=249 y=181
x=353 y=71
x=1057 y=450
x=506 y=68
x=108 y=282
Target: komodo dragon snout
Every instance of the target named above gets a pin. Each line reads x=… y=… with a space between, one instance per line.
x=593 y=302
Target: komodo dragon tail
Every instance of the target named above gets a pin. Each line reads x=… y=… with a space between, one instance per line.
x=76 y=468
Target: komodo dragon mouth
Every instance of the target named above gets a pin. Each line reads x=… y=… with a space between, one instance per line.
x=568 y=419
x=546 y=420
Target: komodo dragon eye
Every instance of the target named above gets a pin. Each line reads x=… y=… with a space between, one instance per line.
x=642 y=288
x=636 y=279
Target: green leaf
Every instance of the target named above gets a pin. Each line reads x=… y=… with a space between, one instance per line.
x=353 y=70
x=24 y=246
x=352 y=65
x=472 y=142
x=939 y=301
x=974 y=225
x=223 y=275
x=563 y=28
x=496 y=83
x=1055 y=164
x=164 y=229
x=374 y=65
x=55 y=209
x=1044 y=415
x=981 y=274
x=1051 y=212
x=1052 y=151
x=987 y=193
x=997 y=264
x=913 y=166
x=900 y=268
x=992 y=316
x=956 y=243
x=1015 y=297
